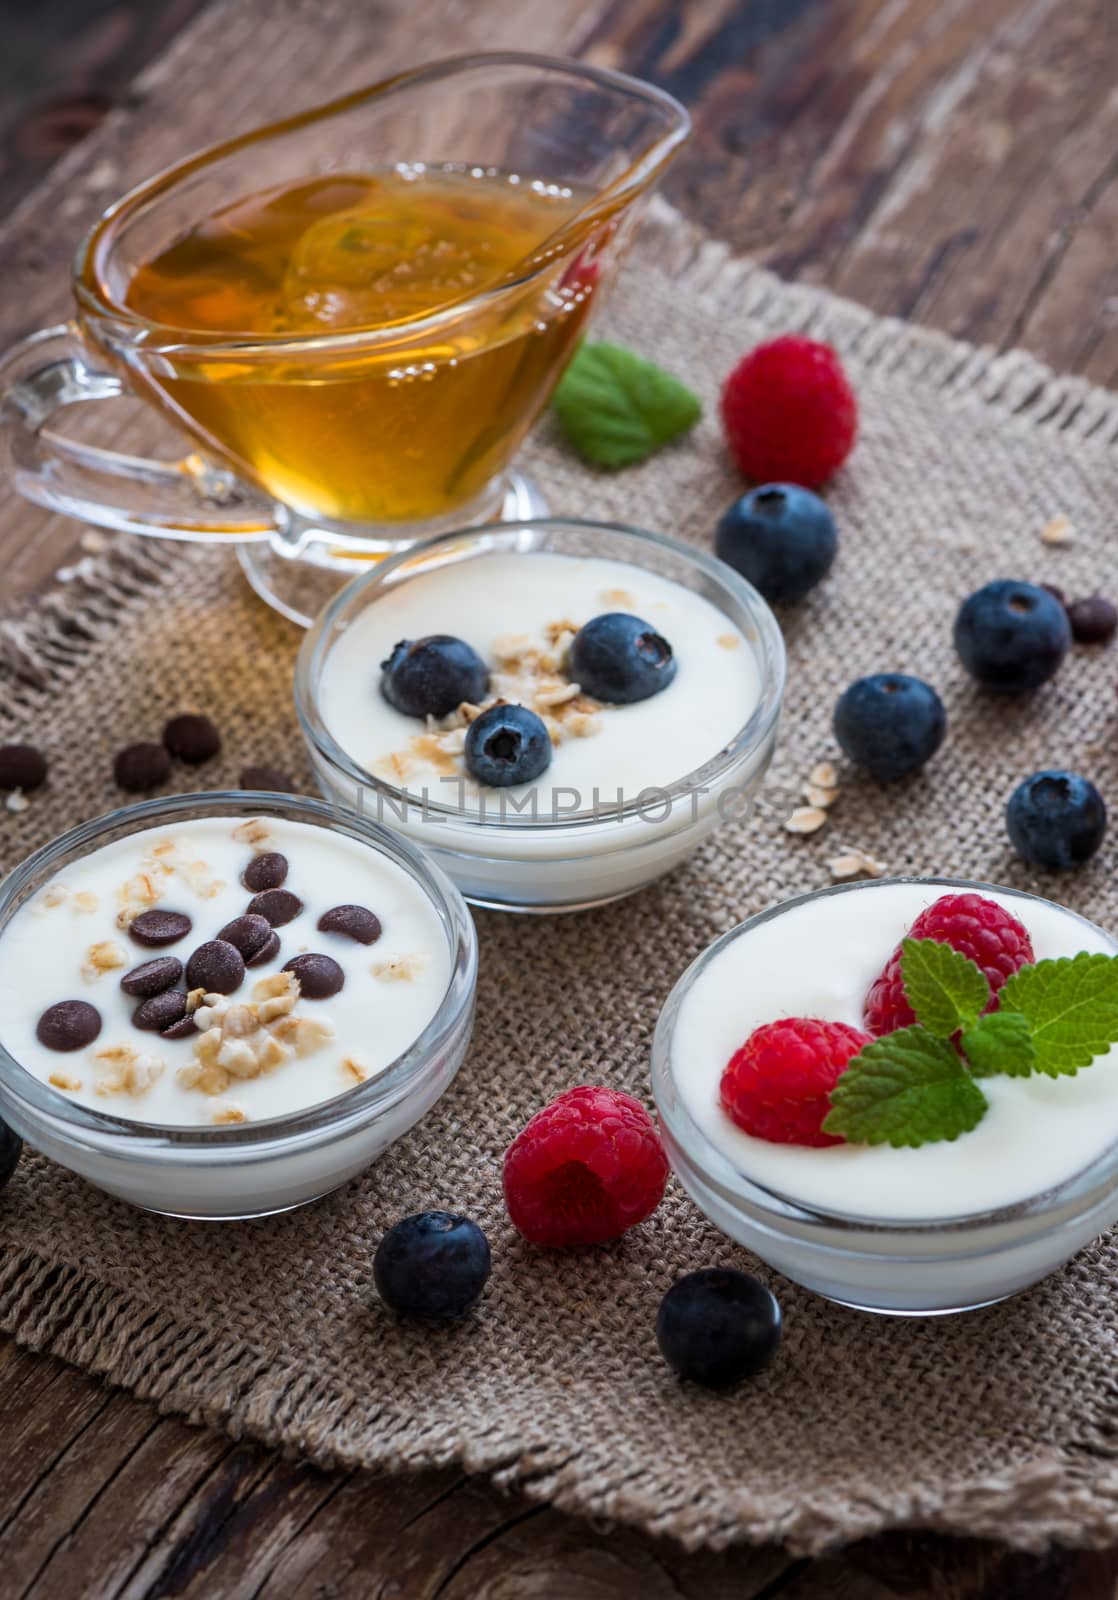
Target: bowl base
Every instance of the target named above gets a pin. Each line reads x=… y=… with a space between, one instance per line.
x=298 y=586
x=910 y=1313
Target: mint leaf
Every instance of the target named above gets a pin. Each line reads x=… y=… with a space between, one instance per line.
x=946 y=990
x=1000 y=1043
x=616 y=408
x=1071 y=1006
x=907 y=1088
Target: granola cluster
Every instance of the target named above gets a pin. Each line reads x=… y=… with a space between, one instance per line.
x=526 y=672
x=239 y=1039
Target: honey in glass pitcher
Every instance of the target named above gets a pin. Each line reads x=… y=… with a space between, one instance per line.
x=421 y=420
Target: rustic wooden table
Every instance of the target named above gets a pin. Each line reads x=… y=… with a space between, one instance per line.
x=936 y=159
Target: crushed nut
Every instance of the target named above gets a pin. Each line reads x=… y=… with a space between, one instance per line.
x=305 y=1035
x=355 y=1071
x=255 y=832
x=400 y=969
x=556 y=631
x=275 y=996
x=546 y=699
x=105 y=956
x=1058 y=531
x=226 y=1112
x=805 y=819
x=125 y=1070
x=64 y=1080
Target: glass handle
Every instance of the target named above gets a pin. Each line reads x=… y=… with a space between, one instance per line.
x=187 y=499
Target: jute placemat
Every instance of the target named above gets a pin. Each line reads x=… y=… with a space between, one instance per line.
x=1001 y=1423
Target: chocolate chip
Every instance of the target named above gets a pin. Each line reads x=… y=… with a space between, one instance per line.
x=265 y=872
x=141 y=766
x=22 y=767
x=247 y=934
x=278 y=905
x=267 y=952
x=1093 y=620
x=69 y=1025
x=152 y=977
x=182 y=1029
x=319 y=977
x=216 y=966
x=354 y=921
x=155 y=928
x=192 y=739
x=161 y=1011
x=270 y=778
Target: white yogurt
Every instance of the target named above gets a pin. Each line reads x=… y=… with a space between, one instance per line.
x=496 y=601
x=818 y=959
x=67 y=943
x=521 y=846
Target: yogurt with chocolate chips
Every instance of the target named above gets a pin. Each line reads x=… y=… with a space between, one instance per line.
x=558 y=725
x=219 y=971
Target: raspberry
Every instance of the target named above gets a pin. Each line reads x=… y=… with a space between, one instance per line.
x=789 y=412
x=585 y=1169
x=778 y=1085
x=977 y=928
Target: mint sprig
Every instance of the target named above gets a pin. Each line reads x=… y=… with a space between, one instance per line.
x=917 y=1085
x=616 y=408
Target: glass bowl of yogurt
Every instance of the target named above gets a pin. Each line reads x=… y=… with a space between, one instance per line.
x=630 y=789
x=223 y=1005
x=947 y=1226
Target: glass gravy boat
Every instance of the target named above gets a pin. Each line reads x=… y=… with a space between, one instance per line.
x=314 y=447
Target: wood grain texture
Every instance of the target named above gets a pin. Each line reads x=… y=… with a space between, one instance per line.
x=940 y=160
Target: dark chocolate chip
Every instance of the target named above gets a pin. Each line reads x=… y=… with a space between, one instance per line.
x=69 y=1025
x=22 y=767
x=319 y=976
x=161 y=1011
x=182 y=1029
x=141 y=766
x=356 y=922
x=272 y=779
x=247 y=934
x=156 y=928
x=1056 y=592
x=265 y=872
x=267 y=952
x=192 y=739
x=217 y=967
x=280 y=906
x=1093 y=620
x=152 y=977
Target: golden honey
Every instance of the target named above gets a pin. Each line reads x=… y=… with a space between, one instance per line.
x=456 y=309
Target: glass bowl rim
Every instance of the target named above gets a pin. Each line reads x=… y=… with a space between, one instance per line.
x=325 y=1119
x=769 y=651
x=779 y=1208
x=162 y=338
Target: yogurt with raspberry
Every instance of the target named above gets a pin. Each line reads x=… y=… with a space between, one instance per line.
x=615 y=806
x=818 y=959
x=333 y=962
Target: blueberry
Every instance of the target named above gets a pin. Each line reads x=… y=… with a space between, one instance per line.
x=781 y=538
x=619 y=659
x=1012 y=636
x=433 y=1265
x=11 y=1148
x=718 y=1326
x=1056 y=820
x=432 y=676
x=890 y=724
x=507 y=744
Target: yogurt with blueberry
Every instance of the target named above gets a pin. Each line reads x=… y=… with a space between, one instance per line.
x=818 y=959
x=220 y=971
x=538 y=694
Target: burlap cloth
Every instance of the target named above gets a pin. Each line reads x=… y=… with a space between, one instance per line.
x=1001 y=1423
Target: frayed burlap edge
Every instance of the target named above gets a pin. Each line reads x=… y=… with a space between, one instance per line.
x=1068 y=1497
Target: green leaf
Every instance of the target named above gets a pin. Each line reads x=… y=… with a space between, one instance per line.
x=1000 y=1043
x=907 y=1088
x=945 y=989
x=616 y=408
x=1071 y=1006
